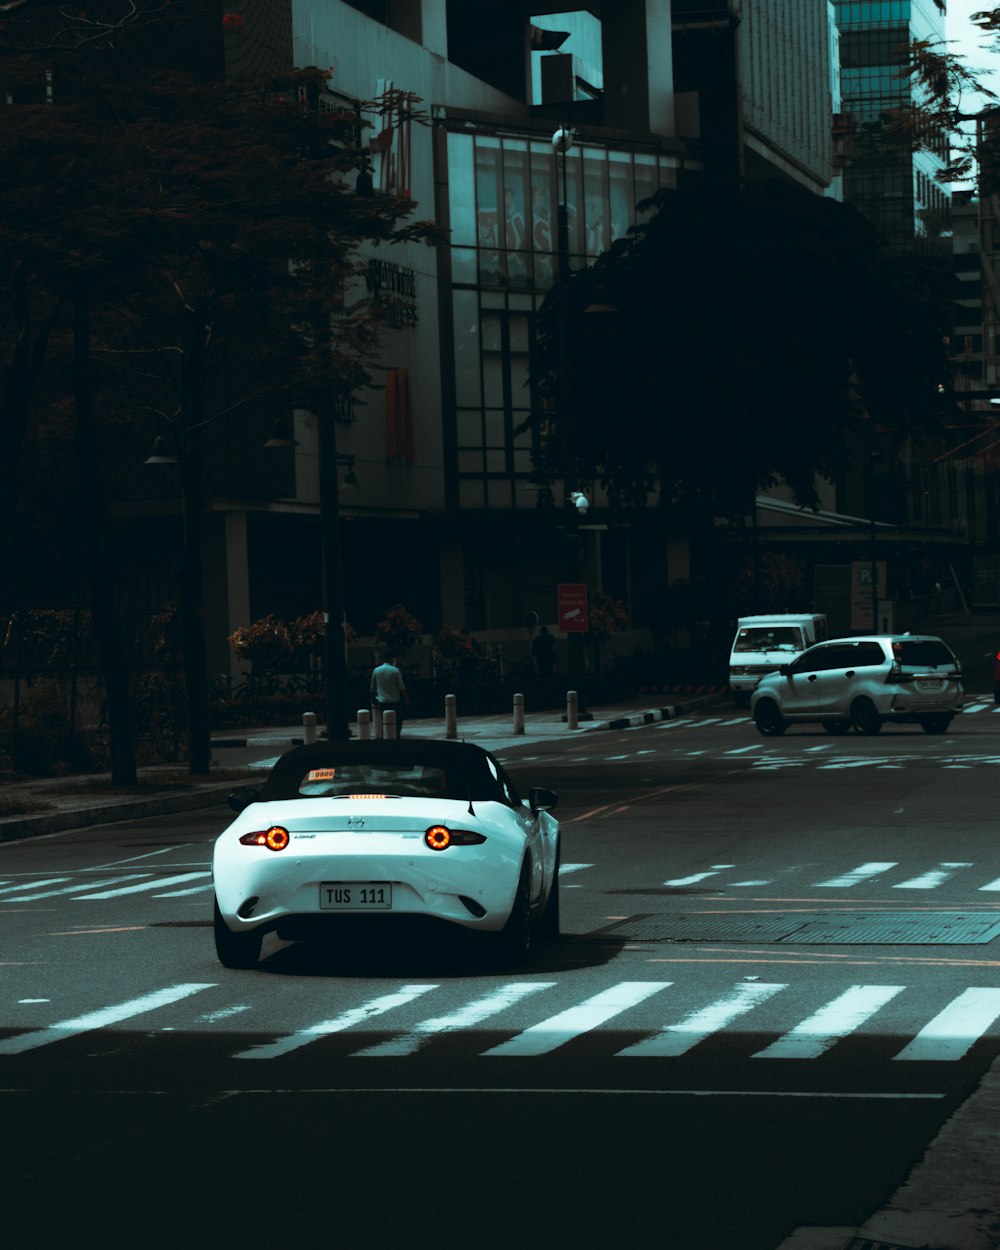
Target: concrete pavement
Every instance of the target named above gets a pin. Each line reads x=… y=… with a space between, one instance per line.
x=951 y=1200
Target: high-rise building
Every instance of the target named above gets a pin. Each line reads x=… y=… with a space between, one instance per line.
x=896 y=188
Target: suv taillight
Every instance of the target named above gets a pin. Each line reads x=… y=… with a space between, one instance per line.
x=896 y=676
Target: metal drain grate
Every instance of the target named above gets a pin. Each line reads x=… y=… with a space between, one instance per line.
x=887 y=928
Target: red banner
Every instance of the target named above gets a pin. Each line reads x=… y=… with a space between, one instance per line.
x=572 y=603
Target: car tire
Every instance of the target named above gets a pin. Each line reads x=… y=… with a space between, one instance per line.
x=235 y=950
x=768 y=719
x=936 y=723
x=836 y=726
x=865 y=718
x=547 y=927
x=513 y=942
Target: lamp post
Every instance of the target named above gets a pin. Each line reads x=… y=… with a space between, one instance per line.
x=574 y=502
x=335 y=683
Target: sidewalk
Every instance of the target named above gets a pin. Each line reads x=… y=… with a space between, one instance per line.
x=239 y=759
x=951 y=1200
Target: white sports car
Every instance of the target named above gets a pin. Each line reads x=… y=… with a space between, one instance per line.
x=376 y=831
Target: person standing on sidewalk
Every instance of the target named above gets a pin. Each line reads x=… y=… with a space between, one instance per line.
x=388 y=694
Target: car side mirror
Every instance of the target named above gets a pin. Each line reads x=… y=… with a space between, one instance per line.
x=239 y=799
x=785 y=669
x=542 y=800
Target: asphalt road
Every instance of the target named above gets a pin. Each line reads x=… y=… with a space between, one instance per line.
x=775 y=985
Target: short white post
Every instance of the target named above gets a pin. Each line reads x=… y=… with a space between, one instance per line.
x=389 y=725
x=450 y=717
x=572 y=709
x=519 y=713
x=364 y=724
x=308 y=727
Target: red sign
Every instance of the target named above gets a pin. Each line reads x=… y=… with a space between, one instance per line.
x=572 y=600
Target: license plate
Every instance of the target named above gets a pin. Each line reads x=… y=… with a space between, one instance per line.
x=930 y=683
x=355 y=896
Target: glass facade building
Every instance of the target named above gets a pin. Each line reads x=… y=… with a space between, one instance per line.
x=895 y=188
x=502 y=202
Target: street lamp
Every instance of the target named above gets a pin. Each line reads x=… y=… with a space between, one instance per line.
x=575 y=502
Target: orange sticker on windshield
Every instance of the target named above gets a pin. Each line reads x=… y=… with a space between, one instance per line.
x=321 y=774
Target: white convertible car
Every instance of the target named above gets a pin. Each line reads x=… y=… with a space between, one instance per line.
x=380 y=831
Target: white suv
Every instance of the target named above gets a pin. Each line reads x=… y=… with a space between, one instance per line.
x=859 y=683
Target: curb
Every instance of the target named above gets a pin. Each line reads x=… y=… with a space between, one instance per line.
x=18 y=827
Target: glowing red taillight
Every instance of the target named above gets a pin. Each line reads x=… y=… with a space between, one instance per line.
x=275 y=839
x=440 y=837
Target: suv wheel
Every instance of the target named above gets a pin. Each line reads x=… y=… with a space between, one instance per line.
x=936 y=723
x=864 y=717
x=768 y=718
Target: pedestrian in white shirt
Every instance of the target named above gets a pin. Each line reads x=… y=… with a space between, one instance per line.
x=388 y=693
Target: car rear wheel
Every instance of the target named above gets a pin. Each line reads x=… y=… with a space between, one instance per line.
x=836 y=726
x=235 y=950
x=547 y=927
x=514 y=939
x=864 y=717
x=768 y=718
x=936 y=723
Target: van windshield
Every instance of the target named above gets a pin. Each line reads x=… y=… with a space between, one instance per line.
x=769 y=638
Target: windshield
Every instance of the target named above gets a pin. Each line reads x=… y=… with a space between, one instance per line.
x=769 y=638
x=410 y=770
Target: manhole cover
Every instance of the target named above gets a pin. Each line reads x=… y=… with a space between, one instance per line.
x=886 y=928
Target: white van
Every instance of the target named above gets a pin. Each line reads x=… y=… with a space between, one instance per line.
x=763 y=643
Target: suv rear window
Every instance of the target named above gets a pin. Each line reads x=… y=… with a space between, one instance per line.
x=922 y=653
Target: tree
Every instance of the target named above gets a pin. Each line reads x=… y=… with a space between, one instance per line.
x=716 y=348
x=195 y=230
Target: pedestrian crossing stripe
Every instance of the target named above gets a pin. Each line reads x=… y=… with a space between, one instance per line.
x=946 y=1038
x=862 y=874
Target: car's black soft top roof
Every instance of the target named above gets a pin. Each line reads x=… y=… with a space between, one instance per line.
x=467 y=765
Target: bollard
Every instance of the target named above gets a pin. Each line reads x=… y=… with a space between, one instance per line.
x=519 y=713
x=364 y=724
x=308 y=727
x=450 y=717
x=572 y=710
x=389 y=725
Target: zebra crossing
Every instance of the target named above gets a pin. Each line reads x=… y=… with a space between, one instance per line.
x=881 y=872
x=890 y=874
x=757 y=1008
x=86 y=887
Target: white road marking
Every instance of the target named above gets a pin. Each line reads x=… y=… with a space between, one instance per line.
x=465 y=1017
x=567 y=868
x=195 y=889
x=559 y=1029
x=863 y=873
x=101 y=1019
x=695 y=877
x=991 y=885
x=952 y=1033
x=930 y=880
x=346 y=1020
x=832 y=1022
x=133 y=858
x=670 y=724
x=80 y=886
x=847 y=764
x=34 y=885
x=146 y=885
x=735 y=885
x=756 y=746
x=677 y=1039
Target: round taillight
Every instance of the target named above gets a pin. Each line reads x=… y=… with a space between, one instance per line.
x=438 y=838
x=276 y=838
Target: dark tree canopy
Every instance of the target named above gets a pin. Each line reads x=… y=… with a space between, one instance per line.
x=726 y=344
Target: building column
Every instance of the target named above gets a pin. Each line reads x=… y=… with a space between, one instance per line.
x=434 y=26
x=639 y=65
